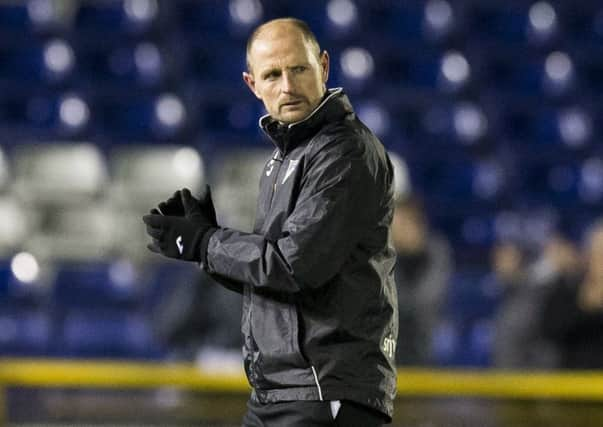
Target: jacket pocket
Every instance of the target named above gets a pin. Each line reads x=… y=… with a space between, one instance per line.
x=275 y=330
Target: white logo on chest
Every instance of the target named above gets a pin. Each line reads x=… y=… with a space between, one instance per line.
x=179 y=244
x=290 y=169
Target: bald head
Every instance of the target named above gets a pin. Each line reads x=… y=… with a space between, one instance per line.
x=282 y=26
x=286 y=69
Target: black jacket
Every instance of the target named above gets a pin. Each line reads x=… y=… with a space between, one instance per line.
x=320 y=318
x=575 y=330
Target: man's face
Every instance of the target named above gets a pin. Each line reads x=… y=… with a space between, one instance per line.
x=596 y=254
x=286 y=73
x=409 y=231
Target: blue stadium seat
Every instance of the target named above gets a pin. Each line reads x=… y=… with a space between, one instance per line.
x=314 y=12
x=465 y=338
x=504 y=22
x=165 y=277
x=566 y=126
x=552 y=179
x=209 y=18
x=23 y=65
x=96 y=285
x=44 y=112
x=518 y=120
x=405 y=20
x=470 y=296
x=393 y=66
x=14 y=293
x=445 y=343
x=409 y=119
x=25 y=331
x=14 y=112
x=471 y=345
x=481 y=340
x=13 y=18
x=133 y=117
x=26 y=321
x=582 y=25
x=124 y=66
x=36 y=62
x=401 y=21
x=451 y=178
x=590 y=69
x=512 y=70
x=128 y=117
x=424 y=70
x=100 y=16
x=206 y=65
x=118 y=18
x=106 y=333
x=218 y=114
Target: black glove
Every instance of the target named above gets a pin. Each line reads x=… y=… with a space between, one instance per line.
x=173 y=206
x=182 y=237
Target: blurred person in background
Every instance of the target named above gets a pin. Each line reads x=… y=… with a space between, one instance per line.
x=423 y=270
x=518 y=342
x=320 y=318
x=573 y=313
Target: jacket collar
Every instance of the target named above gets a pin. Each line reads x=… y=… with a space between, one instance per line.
x=333 y=107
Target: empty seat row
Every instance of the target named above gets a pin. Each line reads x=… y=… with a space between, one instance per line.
x=72 y=201
x=67 y=200
x=92 y=308
x=514 y=21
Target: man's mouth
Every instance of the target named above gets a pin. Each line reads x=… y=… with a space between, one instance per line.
x=291 y=103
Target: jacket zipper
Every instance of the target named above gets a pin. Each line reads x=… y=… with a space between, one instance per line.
x=276 y=173
x=273 y=190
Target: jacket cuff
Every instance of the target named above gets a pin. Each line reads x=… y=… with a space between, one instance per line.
x=204 y=244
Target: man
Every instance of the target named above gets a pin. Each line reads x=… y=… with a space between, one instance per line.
x=423 y=270
x=319 y=309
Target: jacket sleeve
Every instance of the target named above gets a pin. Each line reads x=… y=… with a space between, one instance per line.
x=336 y=206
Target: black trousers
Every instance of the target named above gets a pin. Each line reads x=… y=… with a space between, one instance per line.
x=310 y=414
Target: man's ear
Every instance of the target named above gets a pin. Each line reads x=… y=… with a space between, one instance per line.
x=250 y=82
x=324 y=62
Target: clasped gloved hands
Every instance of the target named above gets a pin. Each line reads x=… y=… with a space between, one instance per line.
x=181 y=226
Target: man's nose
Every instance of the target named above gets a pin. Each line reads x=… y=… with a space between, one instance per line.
x=288 y=82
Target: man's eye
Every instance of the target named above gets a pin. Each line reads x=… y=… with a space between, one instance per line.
x=299 y=69
x=272 y=76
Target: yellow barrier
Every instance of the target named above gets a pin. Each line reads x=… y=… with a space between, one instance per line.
x=114 y=374
x=498 y=384
x=411 y=382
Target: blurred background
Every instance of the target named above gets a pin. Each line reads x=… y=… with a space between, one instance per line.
x=488 y=109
